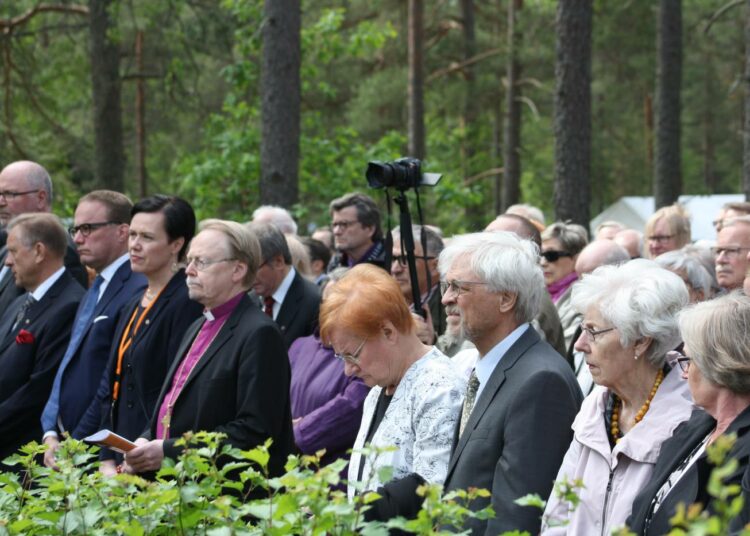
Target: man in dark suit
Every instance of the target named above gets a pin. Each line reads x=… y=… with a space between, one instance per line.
x=35 y=331
x=100 y=232
x=26 y=187
x=232 y=372
x=521 y=397
x=285 y=295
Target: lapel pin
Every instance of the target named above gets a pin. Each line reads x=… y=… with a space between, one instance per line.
x=148 y=321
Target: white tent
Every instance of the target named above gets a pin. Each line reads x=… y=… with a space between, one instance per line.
x=634 y=212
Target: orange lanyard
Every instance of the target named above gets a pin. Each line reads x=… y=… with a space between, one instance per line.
x=127 y=340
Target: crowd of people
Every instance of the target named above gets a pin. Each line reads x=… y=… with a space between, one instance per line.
x=534 y=357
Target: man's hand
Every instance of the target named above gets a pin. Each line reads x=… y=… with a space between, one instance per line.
x=49 y=455
x=146 y=456
x=108 y=468
x=425 y=329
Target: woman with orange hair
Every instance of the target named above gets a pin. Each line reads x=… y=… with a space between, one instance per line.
x=416 y=394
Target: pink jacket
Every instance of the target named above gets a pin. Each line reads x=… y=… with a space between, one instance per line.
x=613 y=477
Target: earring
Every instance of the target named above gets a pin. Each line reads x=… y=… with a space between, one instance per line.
x=175 y=266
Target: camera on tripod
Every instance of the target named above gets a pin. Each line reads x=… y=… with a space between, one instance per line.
x=401 y=174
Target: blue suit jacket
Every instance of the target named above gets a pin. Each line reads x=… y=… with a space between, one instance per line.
x=80 y=376
x=28 y=369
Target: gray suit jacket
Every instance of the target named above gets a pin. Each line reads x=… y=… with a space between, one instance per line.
x=517 y=434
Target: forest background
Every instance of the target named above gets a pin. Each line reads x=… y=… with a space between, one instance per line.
x=170 y=96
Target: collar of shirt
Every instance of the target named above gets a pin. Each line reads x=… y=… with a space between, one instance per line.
x=221 y=312
x=487 y=363
x=109 y=272
x=282 y=289
x=42 y=289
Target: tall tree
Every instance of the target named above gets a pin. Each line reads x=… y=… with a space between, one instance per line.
x=280 y=109
x=106 y=85
x=512 y=160
x=667 y=168
x=572 y=123
x=415 y=89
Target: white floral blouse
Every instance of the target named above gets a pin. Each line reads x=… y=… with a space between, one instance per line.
x=419 y=422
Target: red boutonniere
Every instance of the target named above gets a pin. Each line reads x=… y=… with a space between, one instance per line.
x=24 y=337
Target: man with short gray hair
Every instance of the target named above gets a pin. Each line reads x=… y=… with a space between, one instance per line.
x=287 y=297
x=278 y=216
x=521 y=397
x=34 y=332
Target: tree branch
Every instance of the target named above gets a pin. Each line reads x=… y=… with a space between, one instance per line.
x=719 y=12
x=7 y=25
x=483 y=175
x=459 y=66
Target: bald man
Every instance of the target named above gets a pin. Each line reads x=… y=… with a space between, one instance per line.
x=26 y=187
x=632 y=241
x=599 y=253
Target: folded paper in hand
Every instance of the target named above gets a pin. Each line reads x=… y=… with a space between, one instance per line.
x=105 y=438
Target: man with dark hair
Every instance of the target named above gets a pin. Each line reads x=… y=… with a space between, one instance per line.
x=287 y=297
x=320 y=256
x=357 y=235
x=35 y=330
x=100 y=231
x=26 y=187
x=427 y=274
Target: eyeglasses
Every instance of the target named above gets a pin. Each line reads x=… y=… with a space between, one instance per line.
x=12 y=195
x=660 y=238
x=727 y=251
x=343 y=224
x=676 y=357
x=457 y=286
x=592 y=333
x=401 y=259
x=87 y=228
x=554 y=256
x=203 y=264
x=352 y=359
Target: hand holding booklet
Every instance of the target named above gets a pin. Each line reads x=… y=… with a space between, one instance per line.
x=106 y=438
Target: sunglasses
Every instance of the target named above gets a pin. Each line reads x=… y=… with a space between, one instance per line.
x=554 y=256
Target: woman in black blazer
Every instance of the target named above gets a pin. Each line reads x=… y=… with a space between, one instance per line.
x=153 y=323
x=716 y=364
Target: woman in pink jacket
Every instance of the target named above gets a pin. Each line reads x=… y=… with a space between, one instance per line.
x=629 y=324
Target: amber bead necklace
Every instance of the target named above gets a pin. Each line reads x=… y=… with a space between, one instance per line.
x=615 y=426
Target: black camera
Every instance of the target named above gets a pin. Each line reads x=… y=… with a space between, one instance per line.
x=401 y=174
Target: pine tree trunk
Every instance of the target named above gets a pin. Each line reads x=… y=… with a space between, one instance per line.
x=280 y=91
x=512 y=163
x=667 y=167
x=106 y=89
x=572 y=121
x=415 y=89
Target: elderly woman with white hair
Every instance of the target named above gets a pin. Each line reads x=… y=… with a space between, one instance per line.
x=690 y=270
x=716 y=362
x=629 y=325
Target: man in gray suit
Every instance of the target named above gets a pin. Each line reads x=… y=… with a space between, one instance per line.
x=521 y=398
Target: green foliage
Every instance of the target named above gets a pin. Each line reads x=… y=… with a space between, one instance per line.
x=205 y=492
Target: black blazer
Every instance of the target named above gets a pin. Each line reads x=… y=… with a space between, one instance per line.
x=691 y=487
x=147 y=361
x=515 y=440
x=239 y=387
x=84 y=371
x=298 y=315
x=28 y=370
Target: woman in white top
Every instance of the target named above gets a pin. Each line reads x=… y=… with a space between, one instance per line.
x=416 y=395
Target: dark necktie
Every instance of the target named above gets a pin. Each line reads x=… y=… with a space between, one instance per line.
x=471 y=395
x=30 y=300
x=268 y=302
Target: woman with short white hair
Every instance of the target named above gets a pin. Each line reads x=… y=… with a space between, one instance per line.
x=629 y=324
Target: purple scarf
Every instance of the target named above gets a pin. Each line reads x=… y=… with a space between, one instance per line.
x=558 y=288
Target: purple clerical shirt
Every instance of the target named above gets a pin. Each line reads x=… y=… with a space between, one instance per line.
x=215 y=319
x=329 y=402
